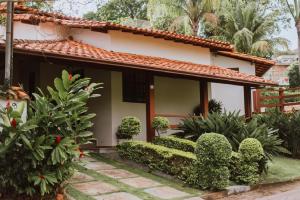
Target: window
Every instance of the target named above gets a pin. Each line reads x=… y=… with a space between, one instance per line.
x=235 y=69
x=134 y=87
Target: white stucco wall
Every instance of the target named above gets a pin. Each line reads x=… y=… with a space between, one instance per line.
x=122 y=109
x=139 y=44
x=231 y=96
x=176 y=97
x=43 y=31
x=97 y=39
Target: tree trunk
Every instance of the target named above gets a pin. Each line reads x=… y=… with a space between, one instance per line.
x=195 y=28
x=298 y=33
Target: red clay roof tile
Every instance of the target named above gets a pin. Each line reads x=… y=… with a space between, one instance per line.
x=84 y=52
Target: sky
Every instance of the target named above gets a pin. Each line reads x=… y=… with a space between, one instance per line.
x=80 y=7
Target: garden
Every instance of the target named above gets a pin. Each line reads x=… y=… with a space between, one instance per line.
x=221 y=150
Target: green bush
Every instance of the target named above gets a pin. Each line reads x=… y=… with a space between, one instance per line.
x=160 y=124
x=130 y=126
x=235 y=129
x=213 y=152
x=36 y=157
x=170 y=161
x=247 y=165
x=176 y=143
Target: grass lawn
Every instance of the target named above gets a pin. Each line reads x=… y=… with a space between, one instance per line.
x=283 y=169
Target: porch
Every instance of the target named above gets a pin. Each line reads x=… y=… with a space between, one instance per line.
x=131 y=89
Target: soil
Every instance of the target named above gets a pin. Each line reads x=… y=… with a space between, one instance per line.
x=264 y=191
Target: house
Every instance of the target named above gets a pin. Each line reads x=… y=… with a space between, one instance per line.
x=279 y=72
x=146 y=73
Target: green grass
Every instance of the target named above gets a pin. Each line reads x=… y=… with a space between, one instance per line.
x=283 y=169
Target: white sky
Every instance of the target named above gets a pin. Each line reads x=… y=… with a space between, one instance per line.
x=80 y=7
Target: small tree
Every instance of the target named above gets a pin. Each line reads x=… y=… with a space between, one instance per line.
x=160 y=124
x=294 y=75
x=130 y=126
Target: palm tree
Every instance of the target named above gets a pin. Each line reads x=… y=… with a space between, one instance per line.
x=294 y=9
x=189 y=11
x=248 y=26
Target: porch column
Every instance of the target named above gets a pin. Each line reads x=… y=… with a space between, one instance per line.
x=150 y=110
x=247 y=101
x=204 y=98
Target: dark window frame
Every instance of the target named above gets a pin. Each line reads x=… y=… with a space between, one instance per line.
x=134 y=86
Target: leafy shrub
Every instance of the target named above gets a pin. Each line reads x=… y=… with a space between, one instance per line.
x=170 y=161
x=176 y=143
x=130 y=126
x=235 y=129
x=213 y=152
x=247 y=165
x=160 y=124
x=294 y=75
x=36 y=157
x=288 y=127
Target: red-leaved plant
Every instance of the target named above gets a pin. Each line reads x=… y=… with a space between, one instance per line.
x=33 y=160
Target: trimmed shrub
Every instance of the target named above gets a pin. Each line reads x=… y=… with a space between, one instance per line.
x=170 y=161
x=130 y=126
x=213 y=152
x=176 y=143
x=160 y=124
x=247 y=165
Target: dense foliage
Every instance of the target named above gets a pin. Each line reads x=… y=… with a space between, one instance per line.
x=245 y=166
x=170 y=161
x=288 y=126
x=36 y=156
x=176 y=143
x=130 y=126
x=294 y=75
x=213 y=152
x=235 y=129
x=160 y=124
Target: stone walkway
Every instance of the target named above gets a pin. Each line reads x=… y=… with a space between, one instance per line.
x=99 y=180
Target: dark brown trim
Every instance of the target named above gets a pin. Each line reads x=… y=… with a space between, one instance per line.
x=204 y=98
x=150 y=107
x=247 y=101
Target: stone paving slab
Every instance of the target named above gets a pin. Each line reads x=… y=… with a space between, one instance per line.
x=80 y=177
x=194 y=198
x=95 y=188
x=140 y=182
x=88 y=159
x=98 y=166
x=117 y=173
x=117 y=196
x=166 y=192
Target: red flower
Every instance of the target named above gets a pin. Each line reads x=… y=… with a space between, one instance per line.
x=57 y=139
x=13 y=123
x=81 y=154
x=42 y=177
x=70 y=77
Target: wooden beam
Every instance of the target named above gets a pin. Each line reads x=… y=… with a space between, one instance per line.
x=204 y=98
x=247 y=101
x=150 y=107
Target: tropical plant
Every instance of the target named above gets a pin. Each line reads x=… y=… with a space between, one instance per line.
x=214 y=106
x=129 y=127
x=235 y=129
x=294 y=75
x=40 y=152
x=248 y=26
x=189 y=12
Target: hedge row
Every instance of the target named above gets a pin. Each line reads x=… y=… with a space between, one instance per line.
x=167 y=160
x=176 y=143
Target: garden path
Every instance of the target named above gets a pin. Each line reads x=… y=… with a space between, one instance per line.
x=103 y=179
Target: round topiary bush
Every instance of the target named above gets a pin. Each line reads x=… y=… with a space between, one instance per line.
x=251 y=150
x=160 y=124
x=130 y=126
x=213 y=153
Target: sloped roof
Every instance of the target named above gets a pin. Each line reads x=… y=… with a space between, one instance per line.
x=70 y=49
x=34 y=16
